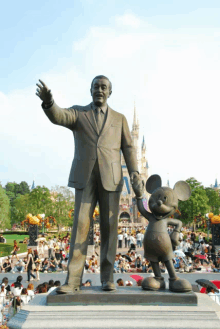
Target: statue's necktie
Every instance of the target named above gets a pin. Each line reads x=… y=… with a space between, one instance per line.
x=99 y=119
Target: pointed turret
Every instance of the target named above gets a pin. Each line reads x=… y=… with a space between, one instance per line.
x=143 y=145
x=135 y=118
x=33 y=186
x=168 y=183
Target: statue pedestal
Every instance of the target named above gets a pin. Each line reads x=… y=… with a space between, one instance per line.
x=37 y=314
x=122 y=296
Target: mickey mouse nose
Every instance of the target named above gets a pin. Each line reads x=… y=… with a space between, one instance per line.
x=159 y=202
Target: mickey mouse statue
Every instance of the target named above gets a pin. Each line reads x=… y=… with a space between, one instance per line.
x=158 y=244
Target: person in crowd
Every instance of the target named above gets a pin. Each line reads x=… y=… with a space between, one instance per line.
x=211 y=293
x=17 y=286
x=7 y=287
x=125 y=235
x=30 y=290
x=200 y=238
x=17 y=303
x=57 y=253
x=139 y=282
x=120 y=282
x=120 y=240
x=132 y=243
x=15 y=251
x=24 y=296
x=123 y=266
x=51 y=248
x=128 y=239
x=53 y=265
x=139 y=239
x=30 y=265
x=216 y=265
x=64 y=264
x=2 y=239
x=40 y=249
x=2 y=296
x=88 y=283
x=19 y=266
x=116 y=265
x=45 y=265
x=138 y=262
x=7 y=265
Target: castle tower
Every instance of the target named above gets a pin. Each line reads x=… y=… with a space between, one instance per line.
x=128 y=208
x=135 y=134
x=144 y=163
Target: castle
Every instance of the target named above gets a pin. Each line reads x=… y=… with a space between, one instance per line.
x=127 y=206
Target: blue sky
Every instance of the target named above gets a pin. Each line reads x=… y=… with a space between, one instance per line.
x=163 y=56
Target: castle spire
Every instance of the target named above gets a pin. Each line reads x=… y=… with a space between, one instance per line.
x=143 y=145
x=135 y=117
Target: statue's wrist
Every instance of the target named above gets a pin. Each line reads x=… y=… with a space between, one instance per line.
x=47 y=105
x=175 y=230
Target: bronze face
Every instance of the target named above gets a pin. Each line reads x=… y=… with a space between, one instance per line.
x=100 y=91
x=163 y=202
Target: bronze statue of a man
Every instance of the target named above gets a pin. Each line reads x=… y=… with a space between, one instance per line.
x=100 y=135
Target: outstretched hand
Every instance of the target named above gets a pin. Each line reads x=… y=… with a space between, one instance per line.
x=137 y=184
x=44 y=93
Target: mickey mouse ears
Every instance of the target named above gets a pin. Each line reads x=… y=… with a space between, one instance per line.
x=153 y=183
x=181 y=188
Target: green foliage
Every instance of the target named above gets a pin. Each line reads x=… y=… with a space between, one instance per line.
x=197 y=203
x=14 y=189
x=4 y=210
x=63 y=201
x=214 y=200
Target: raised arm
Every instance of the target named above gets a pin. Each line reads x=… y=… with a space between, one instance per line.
x=57 y=115
x=142 y=210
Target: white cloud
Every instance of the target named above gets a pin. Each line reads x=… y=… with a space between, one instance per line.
x=128 y=20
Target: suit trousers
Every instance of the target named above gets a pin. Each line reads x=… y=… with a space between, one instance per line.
x=85 y=202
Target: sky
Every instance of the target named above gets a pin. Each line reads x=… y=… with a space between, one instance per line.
x=165 y=57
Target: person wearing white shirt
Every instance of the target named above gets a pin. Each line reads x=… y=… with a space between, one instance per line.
x=126 y=239
x=138 y=237
x=120 y=239
x=214 y=296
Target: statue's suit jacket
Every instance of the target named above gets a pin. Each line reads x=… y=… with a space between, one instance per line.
x=91 y=146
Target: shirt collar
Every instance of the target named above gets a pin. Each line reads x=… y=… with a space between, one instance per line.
x=103 y=108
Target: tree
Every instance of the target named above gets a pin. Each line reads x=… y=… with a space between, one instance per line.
x=40 y=201
x=197 y=203
x=14 y=189
x=20 y=208
x=63 y=200
x=214 y=200
x=4 y=209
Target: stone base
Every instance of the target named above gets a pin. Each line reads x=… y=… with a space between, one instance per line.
x=37 y=314
x=122 y=296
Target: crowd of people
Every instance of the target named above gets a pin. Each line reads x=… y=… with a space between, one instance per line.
x=57 y=250
x=194 y=253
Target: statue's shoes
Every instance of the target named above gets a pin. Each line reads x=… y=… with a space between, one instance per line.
x=108 y=286
x=153 y=283
x=179 y=285
x=67 y=289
